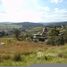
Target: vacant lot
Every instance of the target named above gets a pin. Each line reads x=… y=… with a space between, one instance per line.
x=13 y=52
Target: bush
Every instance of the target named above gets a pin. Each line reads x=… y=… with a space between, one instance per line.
x=59 y=40
x=55 y=40
x=50 y=41
x=6 y=57
x=17 y=57
x=53 y=32
x=17 y=33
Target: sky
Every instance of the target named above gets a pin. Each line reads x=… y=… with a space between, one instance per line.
x=33 y=10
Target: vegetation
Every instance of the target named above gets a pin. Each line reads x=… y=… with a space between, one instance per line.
x=26 y=53
x=17 y=34
x=18 y=48
x=17 y=57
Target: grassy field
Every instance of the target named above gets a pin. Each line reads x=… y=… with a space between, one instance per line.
x=30 y=53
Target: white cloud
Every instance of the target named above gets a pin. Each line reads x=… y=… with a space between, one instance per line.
x=20 y=10
x=56 y=1
x=55 y=15
x=29 y=10
x=23 y=10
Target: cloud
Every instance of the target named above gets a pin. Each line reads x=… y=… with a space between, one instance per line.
x=23 y=10
x=56 y=1
x=29 y=10
x=18 y=10
x=55 y=15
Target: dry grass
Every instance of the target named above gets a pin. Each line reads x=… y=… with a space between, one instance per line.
x=13 y=46
x=29 y=49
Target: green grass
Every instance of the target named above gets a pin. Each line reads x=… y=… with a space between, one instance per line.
x=28 y=52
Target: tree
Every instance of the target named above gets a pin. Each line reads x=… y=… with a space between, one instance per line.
x=17 y=33
x=54 y=38
x=53 y=32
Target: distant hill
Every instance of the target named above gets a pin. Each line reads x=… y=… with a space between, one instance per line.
x=28 y=25
x=55 y=23
x=8 y=26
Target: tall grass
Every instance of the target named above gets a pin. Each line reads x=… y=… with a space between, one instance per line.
x=25 y=53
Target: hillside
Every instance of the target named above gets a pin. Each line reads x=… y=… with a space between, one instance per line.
x=8 y=26
x=29 y=25
x=21 y=49
x=55 y=23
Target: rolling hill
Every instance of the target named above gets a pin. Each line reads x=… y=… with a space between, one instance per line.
x=29 y=25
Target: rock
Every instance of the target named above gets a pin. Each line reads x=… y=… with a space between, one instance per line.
x=2 y=43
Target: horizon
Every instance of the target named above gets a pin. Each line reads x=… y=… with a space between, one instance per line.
x=36 y=11
x=34 y=22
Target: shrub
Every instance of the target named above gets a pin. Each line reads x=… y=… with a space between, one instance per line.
x=17 y=33
x=55 y=40
x=53 y=32
x=6 y=57
x=59 y=40
x=50 y=41
x=17 y=57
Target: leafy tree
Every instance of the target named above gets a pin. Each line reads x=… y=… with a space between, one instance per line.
x=54 y=38
x=17 y=33
x=53 y=32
